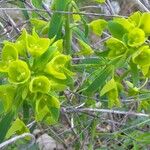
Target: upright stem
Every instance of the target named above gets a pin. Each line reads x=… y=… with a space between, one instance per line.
x=68 y=33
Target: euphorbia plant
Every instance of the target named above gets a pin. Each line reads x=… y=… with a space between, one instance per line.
x=34 y=70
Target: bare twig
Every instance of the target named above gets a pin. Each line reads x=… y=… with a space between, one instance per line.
x=141 y=5
x=105 y=111
x=14 y=139
x=62 y=12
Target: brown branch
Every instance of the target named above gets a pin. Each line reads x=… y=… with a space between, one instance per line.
x=72 y=110
x=62 y=12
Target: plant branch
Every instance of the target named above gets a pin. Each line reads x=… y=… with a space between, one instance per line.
x=63 y=12
x=14 y=139
x=141 y=5
x=71 y=110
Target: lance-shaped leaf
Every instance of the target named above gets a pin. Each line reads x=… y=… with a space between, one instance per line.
x=9 y=52
x=17 y=127
x=142 y=56
x=40 y=84
x=5 y=123
x=116 y=47
x=85 y=49
x=37 y=46
x=136 y=37
x=145 y=22
x=7 y=94
x=97 y=26
x=111 y=90
x=57 y=19
x=45 y=109
x=98 y=79
x=18 y=72
x=54 y=67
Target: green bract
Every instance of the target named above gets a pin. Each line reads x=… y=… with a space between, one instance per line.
x=37 y=46
x=145 y=22
x=18 y=72
x=135 y=18
x=85 y=49
x=40 y=84
x=97 y=26
x=111 y=90
x=47 y=107
x=32 y=69
x=56 y=66
x=20 y=43
x=9 y=53
x=142 y=56
x=136 y=37
x=125 y=23
x=116 y=47
x=146 y=70
x=7 y=94
x=3 y=66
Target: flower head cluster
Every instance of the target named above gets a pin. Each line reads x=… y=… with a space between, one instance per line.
x=129 y=37
x=34 y=69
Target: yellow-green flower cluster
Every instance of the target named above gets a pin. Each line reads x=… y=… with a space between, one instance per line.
x=129 y=37
x=39 y=66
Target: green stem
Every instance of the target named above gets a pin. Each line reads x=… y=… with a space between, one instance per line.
x=68 y=34
x=25 y=112
x=25 y=13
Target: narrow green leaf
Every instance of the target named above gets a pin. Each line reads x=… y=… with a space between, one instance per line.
x=99 y=81
x=37 y=3
x=116 y=29
x=134 y=73
x=17 y=127
x=57 y=19
x=5 y=124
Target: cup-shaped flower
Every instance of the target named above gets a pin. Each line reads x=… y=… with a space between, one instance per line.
x=97 y=26
x=9 y=52
x=18 y=72
x=116 y=47
x=142 y=56
x=145 y=22
x=54 y=67
x=40 y=84
x=37 y=46
x=135 y=18
x=3 y=66
x=136 y=37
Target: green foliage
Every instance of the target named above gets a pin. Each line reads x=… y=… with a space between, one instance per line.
x=37 y=68
x=97 y=26
x=33 y=66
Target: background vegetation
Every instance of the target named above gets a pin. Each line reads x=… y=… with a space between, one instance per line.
x=104 y=99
